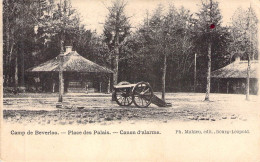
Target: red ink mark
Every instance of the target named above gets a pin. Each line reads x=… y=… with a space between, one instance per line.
x=212 y=26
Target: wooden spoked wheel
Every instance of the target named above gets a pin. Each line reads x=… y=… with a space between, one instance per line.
x=123 y=96
x=142 y=94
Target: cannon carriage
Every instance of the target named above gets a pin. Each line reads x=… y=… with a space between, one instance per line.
x=141 y=94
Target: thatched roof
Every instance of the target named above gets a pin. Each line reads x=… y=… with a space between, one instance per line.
x=237 y=69
x=73 y=62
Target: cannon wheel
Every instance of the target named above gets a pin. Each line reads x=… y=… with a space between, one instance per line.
x=142 y=94
x=123 y=95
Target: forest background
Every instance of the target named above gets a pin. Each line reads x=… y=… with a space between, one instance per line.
x=160 y=48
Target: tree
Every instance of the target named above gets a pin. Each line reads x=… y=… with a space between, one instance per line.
x=116 y=29
x=64 y=23
x=181 y=57
x=209 y=29
x=61 y=21
x=37 y=30
x=158 y=34
x=19 y=19
x=244 y=38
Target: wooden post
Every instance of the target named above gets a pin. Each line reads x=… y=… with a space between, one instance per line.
x=53 y=87
x=195 y=72
x=87 y=88
x=108 y=86
x=248 y=79
x=227 y=86
x=218 y=85
x=61 y=84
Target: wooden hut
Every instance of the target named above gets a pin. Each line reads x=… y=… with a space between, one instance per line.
x=232 y=78
x=80 y=74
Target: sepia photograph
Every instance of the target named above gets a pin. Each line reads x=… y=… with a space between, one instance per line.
x=130 y=80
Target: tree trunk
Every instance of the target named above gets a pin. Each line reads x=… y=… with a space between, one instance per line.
x=10 y=66
x=22 y=61
x=61 y=56
x=208 y=73
x=6 y=71
x=7 y=48
x=61 y=85
x=195 y=72
x=22 y=69
x=163 y=76
x=248 y=79
x=16 y=74
x=115 y=77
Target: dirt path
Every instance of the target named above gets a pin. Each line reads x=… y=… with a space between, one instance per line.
x=85 y=110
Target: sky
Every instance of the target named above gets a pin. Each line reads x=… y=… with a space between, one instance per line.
x=93 y=12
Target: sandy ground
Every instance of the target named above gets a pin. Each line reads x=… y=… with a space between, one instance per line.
x=38 y=113
x=83 y=109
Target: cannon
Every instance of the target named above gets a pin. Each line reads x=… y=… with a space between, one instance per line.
x=141 y=94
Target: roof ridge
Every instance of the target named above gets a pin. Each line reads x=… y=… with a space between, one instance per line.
x=72 y=61
x=247 y=61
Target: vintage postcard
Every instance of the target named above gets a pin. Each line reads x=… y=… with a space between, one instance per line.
x=130 y=80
